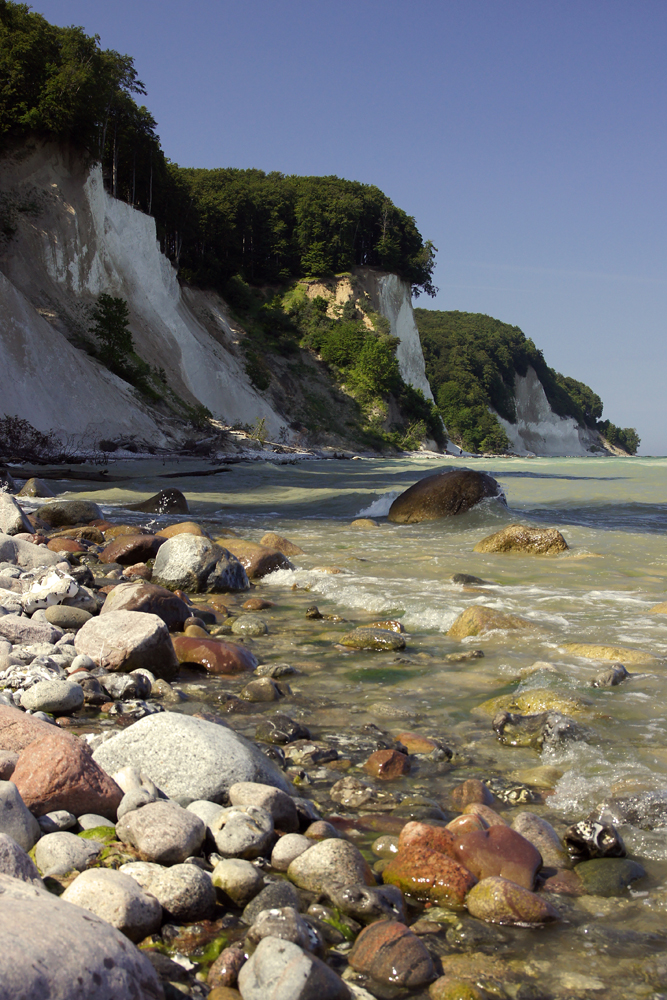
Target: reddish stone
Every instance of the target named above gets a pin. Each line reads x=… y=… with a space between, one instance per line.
x=257 y=604
x=137 y=595
x=117 y=530
x=391 y=953
x=130 y=549
x=183 y=596
x=214 y=656
x=107 y=588
x=182 y=528
x=472 y=790
x=257 y=560
x=58 y=772
x=226 y=968
x=65 y=545
x=466 y=824
x=499 y=851
x=435 y=838
x=564 y=883
x=18 y=730
x=430 y=876
x=140 y=571
x=387 y=764
x=416 y=743
x=489 y=815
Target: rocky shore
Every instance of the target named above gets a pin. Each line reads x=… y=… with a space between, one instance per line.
x=171 y=823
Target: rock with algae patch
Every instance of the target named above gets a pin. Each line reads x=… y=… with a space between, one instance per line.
x=525 y=540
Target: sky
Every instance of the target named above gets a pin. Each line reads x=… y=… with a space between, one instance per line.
x=526 y=138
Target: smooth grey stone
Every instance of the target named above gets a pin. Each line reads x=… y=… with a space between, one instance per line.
x=59 y=697
x=188 y=758
x=328 y=863
x=280 y=970
x=278 y=803
x=208 y=812
x=162 y=831
x=66 y=617
x=52 y=822
x=15 y=862
x=544 y=838
x=237 y=879
x=124 y=640
x=249 y=625
x=608 y=876
x=83 y=662
x=369 y=903
x=613 y=675
x=243 y=832
x=273 y=896
x=25 y=631
x=12 y=519
x=125 y=687
x=193 y=563
x=89 y=821
x=118 y=899
x=59 y=853
x=185 y=892
x=62 y=513
x=288 y=848
x=26 y=555
x=56 y=950
x=16 y=820
x=286 y=923
x=135 y=799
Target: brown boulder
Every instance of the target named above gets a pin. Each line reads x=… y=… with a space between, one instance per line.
x=472 y=790
x=500 y=901
x=478 y=619
x=524 y=539
x=149 y=598
x=271 y=540
x=58 y=772
x=60 y=513
x=256 y=604
x=182 y=528
x=130 y=549
x=121 y=641
x=169 y=501
x=213 y=655
x=435 y=838
x=257 y=560
x=88 y=533
x=488 y=815
x=112 y=531
x=18 y=730
x=391 y=953
x=65 y=545
x=416 y=743
x=387 y=764
x=430 y=876
x=499 y=851
x=443 y=495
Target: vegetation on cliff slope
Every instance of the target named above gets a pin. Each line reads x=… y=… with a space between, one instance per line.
x=472 y=361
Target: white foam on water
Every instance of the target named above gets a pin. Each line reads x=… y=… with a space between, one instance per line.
x=379 y=507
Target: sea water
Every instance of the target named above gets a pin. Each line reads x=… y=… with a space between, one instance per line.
x=613 y=514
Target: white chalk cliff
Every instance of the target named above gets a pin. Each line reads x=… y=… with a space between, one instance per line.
x=538 y=430
x=72 y=241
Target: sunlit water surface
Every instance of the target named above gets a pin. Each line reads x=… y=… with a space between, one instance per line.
x=613 y=514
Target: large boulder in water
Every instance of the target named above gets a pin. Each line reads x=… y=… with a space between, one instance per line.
x=193 y=563
x=442 y=495
x=524 y=539
x=165 y=502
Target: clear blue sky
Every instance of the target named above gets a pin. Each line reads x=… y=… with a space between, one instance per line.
x=527 y=138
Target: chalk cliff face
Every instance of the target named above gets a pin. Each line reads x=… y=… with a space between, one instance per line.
x=71 y=241
x=538 y=430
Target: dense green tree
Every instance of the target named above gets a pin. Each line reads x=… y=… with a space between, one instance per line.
x=111 y=327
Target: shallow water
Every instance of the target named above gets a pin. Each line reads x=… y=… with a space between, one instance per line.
x=613 y=514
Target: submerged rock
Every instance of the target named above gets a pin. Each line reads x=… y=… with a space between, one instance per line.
x=620 y=654
x=503 y=902
x=443 y=495
x=536 y=731
x=214 y=655
x=524 y=539
x=373 y=638
x=60 y=513
x=169 y=501
x=608 y=876
x=478 y=619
